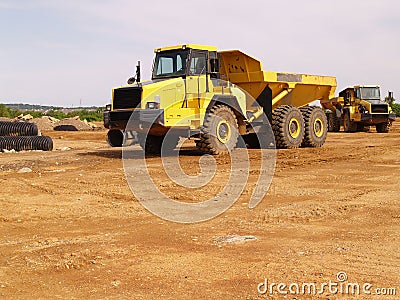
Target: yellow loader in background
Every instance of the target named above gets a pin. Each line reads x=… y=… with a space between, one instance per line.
x=357 y=108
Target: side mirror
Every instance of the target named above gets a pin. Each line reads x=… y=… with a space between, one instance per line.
x=136 y=78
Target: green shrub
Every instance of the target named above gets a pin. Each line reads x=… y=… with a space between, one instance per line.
x=4 y=111
x=56 y=114
x=35 y=114
x=396 y=108
x=7 y=112
x=90 y=116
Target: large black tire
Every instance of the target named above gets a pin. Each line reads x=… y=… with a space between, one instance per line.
x=288 y=127
x=360 y=126
x=152 y=144
x=316 y=126
x=382 y=127
x=115 y=138
x=219 y=133
x=333 y=122
x=348 y=125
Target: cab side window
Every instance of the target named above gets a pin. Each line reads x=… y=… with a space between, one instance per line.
x=198 y=63
x=165 y=65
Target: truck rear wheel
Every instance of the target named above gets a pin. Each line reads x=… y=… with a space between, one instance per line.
x=333 y=122
x=288 y=127
x=348 y=125
x=315 y=124
x=219 y=132
x=115 y=138
x=152 y=144
x=382 y=127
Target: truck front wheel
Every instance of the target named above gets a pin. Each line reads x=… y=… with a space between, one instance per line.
x=219 y=133
x=115 y=138
x=348 y=125
x=382 y=127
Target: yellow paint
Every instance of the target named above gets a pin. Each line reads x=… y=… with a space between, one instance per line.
x=247 y=72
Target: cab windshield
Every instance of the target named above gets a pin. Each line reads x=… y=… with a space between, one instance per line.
x=369 y=93
x=170 y=64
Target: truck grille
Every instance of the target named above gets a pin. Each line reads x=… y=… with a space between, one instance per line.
x=379 y=108
x=128 y=97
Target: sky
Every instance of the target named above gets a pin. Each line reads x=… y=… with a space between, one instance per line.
x=72 y=53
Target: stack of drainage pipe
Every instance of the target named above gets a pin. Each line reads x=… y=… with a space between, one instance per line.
x=23 y=136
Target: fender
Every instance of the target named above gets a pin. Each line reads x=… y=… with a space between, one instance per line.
x=228 y=100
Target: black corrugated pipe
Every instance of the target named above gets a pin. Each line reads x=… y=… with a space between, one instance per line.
x=19 y=143
x=18 y=129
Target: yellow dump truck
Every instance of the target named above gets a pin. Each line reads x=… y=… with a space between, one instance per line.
x=357 y=108
x=215 y=96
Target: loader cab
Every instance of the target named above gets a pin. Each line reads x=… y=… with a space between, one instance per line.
x=185 y=60
x=371 y=94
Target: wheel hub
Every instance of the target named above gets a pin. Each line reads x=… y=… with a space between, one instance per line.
x=318 y=127
x=223 y=131
x=294 y=128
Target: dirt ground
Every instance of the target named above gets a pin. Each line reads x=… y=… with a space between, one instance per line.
x=72 y=229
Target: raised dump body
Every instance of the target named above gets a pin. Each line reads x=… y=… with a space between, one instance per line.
x=286 y=88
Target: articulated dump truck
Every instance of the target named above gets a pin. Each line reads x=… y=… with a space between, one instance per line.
x=215 y=96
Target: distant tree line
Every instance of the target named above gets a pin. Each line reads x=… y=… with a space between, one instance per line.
x=89 y=115
x=395 y=106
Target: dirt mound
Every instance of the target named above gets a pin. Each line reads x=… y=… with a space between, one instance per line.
x=45 y=123
x=72 y=124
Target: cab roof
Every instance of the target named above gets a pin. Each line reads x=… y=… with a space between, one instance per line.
x=185 y=46
x=362 y=86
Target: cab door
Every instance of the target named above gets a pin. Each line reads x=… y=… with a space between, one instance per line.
x=196 y=79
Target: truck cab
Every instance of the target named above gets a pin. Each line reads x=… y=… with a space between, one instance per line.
x=184 y=84
x=185 y=60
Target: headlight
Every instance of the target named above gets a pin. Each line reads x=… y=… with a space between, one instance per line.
x=108 y=107
x=152 y=105
x=366 y=111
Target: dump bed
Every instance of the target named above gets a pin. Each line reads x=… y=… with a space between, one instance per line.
x=286 y=88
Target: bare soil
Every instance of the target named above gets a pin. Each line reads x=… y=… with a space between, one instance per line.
x=72 y=229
